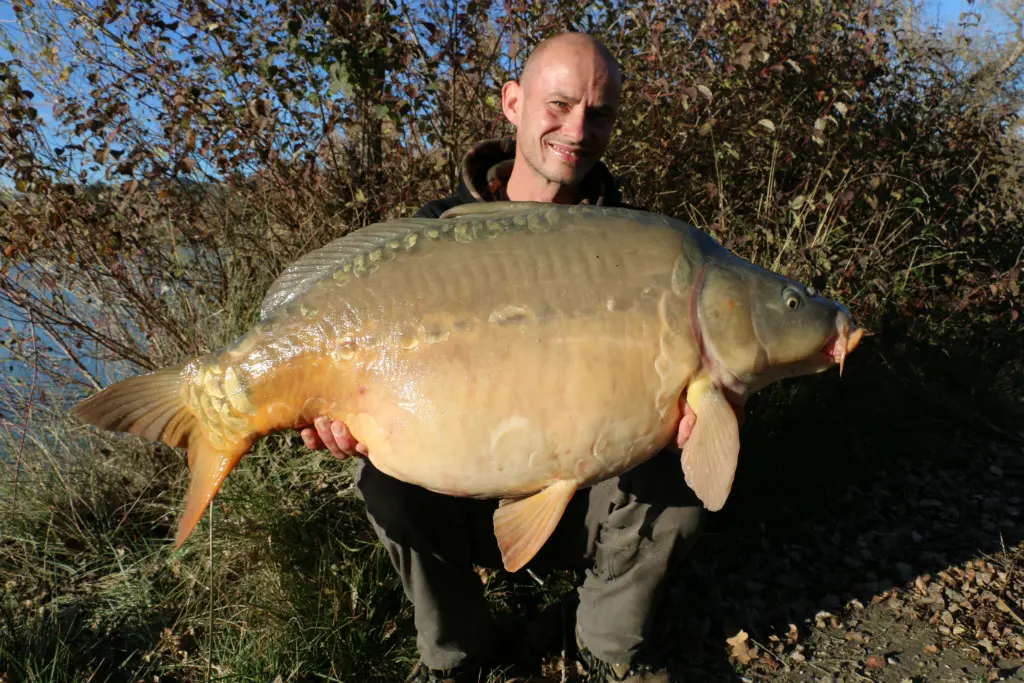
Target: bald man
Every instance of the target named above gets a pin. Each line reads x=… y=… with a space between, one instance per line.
x=625 y=533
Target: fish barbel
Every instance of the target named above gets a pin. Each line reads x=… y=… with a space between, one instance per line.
x=514 y=350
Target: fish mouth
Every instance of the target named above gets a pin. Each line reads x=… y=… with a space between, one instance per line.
x=842 y=344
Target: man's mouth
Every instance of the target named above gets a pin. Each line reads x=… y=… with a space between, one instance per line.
x=571 y=155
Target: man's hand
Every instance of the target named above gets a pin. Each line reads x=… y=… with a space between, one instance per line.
x=332 y=435
x=689 y=420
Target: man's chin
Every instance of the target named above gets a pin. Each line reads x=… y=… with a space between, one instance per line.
x=566 y=173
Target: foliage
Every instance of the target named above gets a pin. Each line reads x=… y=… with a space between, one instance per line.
x=193 y=149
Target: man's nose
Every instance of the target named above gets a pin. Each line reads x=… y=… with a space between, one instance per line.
x=574 y=125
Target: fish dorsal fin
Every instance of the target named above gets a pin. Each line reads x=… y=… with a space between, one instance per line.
x=556 y=212
x=481 y=209
x=396 y=235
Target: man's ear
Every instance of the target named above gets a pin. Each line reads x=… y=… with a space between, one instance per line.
x=511 y=98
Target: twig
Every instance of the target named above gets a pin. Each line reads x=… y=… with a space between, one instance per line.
x=985 y=422
x=28 y=411
x=55 y=338
x=771 y=654
x=209 y=654
x=565 y=640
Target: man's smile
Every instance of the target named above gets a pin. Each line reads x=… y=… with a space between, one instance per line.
x=566 y=153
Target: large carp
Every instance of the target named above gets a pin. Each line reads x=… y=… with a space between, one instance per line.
x=517 y=350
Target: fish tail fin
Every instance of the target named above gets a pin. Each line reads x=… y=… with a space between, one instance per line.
x=209 y=466
x=156 y=406
x=152 y=406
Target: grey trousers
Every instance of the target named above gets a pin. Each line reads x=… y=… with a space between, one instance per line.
x=625 y=533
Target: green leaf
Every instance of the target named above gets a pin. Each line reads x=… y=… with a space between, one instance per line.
x=339 y=79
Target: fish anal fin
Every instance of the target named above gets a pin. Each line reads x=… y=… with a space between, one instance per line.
x=209 y=467
x=523 y=526
x=711 y=453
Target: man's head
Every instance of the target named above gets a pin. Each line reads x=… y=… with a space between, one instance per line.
x=563 y=107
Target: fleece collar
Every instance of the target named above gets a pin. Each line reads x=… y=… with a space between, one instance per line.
x=487 y=166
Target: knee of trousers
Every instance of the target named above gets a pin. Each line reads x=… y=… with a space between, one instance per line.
x=653 y=520
x=646 y=538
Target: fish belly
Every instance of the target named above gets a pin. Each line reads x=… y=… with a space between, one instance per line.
x=515 y=410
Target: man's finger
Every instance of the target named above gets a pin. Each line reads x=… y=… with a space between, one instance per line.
x=686 y=426
x=311 y=439
x=343 y=437
x=323 y=430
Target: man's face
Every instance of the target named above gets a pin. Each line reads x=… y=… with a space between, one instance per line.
x=564 y=112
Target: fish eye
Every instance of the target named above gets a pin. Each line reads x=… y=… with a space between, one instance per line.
x=792 y=298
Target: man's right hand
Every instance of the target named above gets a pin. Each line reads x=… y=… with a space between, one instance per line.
x=332 y=435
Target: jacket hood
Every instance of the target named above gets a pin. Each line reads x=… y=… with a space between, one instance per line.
x=487 y=166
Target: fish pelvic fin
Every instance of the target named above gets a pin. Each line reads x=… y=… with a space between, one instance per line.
x=152 y=406
x=711 y=453
x=523 y=526
x=209 y=466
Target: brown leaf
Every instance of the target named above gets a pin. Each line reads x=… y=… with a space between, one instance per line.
x=931 y=649
x=739 y=649
x=876 y=663
x=820 y=618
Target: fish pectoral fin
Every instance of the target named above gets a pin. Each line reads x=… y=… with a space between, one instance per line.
x=711 y=453
x=523 y=526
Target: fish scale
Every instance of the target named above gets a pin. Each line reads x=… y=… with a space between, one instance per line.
x=508 y=350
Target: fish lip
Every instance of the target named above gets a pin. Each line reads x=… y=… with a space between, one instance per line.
x=842 y=343
x=830 y=348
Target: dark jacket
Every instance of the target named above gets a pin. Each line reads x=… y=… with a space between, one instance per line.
x=486 y=169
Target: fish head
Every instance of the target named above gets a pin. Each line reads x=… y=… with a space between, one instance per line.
x=758 y=326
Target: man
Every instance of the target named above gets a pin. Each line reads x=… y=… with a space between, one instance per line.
x=625 y=533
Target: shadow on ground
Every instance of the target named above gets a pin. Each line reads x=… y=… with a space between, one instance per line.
x=851 y=487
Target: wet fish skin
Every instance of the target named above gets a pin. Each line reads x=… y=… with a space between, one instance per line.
x=518 y=351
